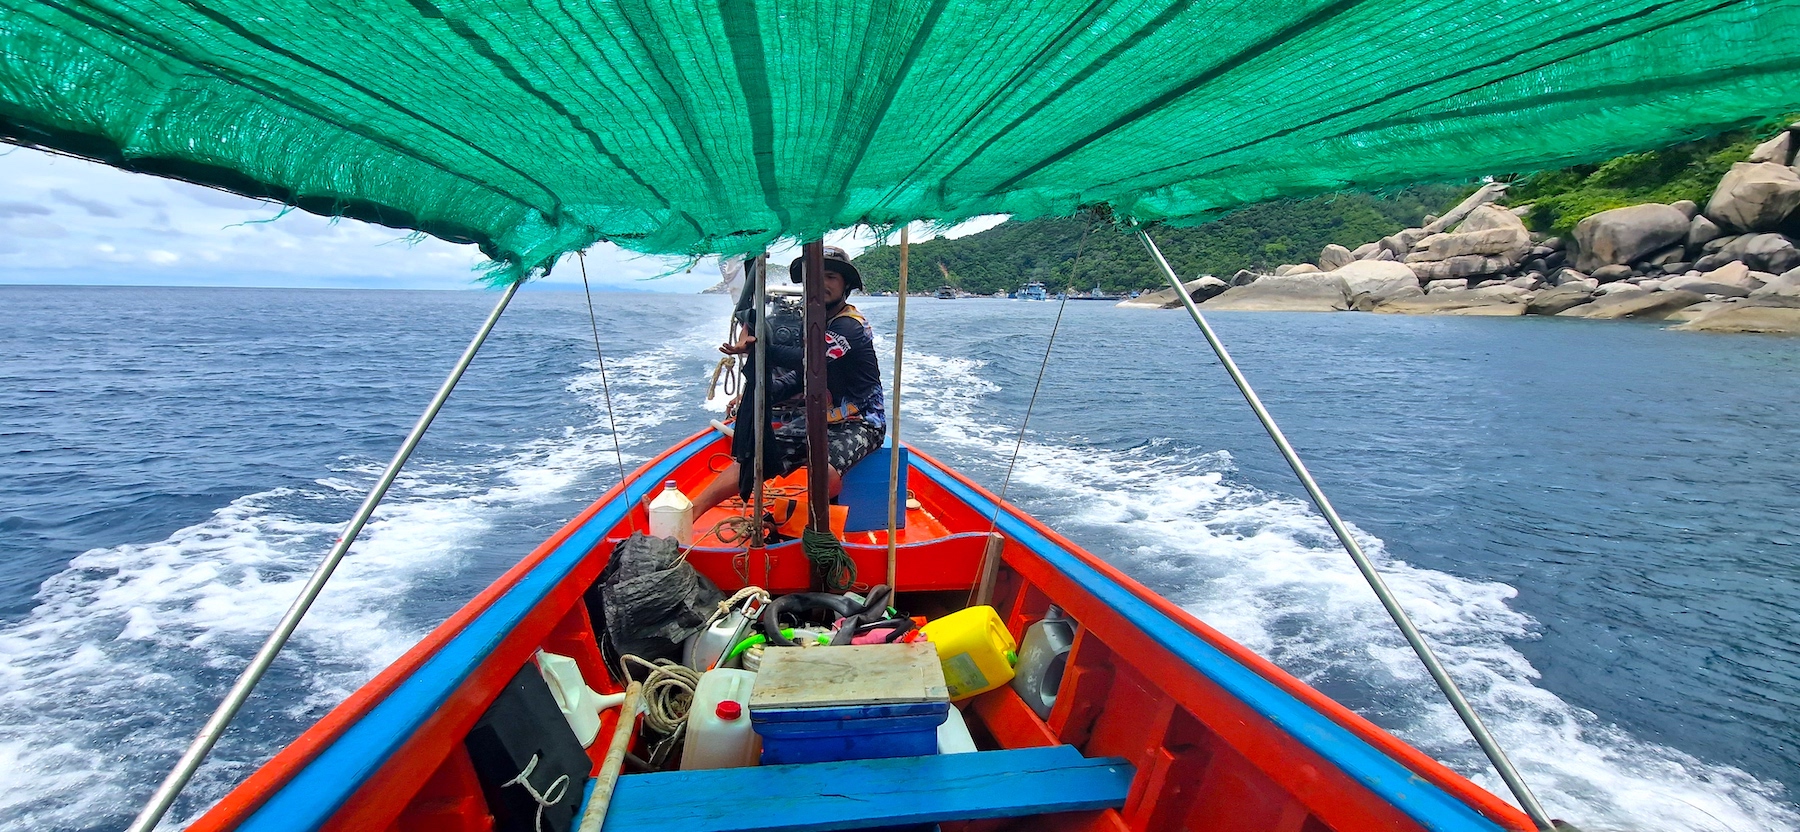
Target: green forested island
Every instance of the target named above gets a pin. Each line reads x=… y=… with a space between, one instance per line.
x=1263 y=236
x=1015 y=253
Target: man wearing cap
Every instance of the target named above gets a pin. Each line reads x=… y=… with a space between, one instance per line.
x=855 y=415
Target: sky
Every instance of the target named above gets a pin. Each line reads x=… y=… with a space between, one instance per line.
x=71 y=221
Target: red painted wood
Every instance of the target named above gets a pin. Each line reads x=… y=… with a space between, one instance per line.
x=451 y=801
x=1010 y=720
x=1200 y=752
x=249 y=795
x=1431 y=770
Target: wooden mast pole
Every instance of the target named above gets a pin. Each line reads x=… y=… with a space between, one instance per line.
x=817 y=495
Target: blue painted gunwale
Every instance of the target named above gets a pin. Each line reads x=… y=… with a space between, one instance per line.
x=321 y=787
x=1430 y=806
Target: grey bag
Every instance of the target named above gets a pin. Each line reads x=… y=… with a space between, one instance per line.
x=648 y=600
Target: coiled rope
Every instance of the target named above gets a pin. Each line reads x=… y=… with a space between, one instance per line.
x=831 y=564
x=668 y=693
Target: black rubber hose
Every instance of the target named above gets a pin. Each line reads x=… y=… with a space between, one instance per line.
x=771 y=618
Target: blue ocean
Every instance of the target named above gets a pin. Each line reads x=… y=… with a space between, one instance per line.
x=1592 y=521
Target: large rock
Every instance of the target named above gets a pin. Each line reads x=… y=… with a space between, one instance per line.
x=1198 y=288
x=1467 y=265
x=1554 y=301
x=1378 y=278
x=1687 y=207
x=1402 y=241
x=1296 y=268
x=1730 y=274
x=1366 y=251
x=1786 y=283
x=1777 y=320
x=1626 y=235
x=1640 y=304
x=1701 y=231
x=1488 y=241
x=1697 y=311
x=1205 y=288
x=1755 y=196
x=1452 y=303
x=1779 y=150
x=1296 y=293
x=1244 y=277
x=1609 y=274
x=1701 y=286
x=1335 y=257
x=1763 y=252
x=1447 y=285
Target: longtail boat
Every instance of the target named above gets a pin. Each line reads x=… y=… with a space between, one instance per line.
x=1171 y=724
x=536 y=130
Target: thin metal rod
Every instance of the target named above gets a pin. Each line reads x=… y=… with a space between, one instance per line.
x=165 y=795
x=761 y=406
x=605 y=388
x=895 y=498
x=1486 y=740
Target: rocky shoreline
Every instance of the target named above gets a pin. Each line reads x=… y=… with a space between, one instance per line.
x=1732 y=267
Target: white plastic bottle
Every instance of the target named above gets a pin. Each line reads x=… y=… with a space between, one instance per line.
x=719 y=734
x=672 y=515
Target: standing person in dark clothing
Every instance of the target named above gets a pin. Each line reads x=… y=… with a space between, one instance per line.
x=855 y=414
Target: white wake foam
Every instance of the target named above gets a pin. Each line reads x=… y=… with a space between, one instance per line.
x=1266 y=570
x=129 y=649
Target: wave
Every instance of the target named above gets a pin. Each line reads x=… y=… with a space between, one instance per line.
x=129 y=648
x=1266 y=570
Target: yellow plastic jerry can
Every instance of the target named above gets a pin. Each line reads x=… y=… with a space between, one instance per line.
x=976 y=650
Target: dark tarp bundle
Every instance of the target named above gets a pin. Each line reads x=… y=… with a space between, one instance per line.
x=648 y=600
x=535 y=128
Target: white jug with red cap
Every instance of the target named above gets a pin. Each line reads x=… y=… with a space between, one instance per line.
x=718 y=727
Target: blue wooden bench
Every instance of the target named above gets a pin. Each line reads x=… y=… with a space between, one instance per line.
x=862 y=794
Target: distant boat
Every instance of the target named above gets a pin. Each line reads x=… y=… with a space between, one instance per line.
x=1033 y=291
x=946 y=293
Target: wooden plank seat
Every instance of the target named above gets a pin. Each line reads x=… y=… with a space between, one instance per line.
x=862 y=794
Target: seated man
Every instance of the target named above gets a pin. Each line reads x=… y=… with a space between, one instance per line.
x=855 y=414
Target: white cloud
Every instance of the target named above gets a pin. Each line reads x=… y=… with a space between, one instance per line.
x=114 y=227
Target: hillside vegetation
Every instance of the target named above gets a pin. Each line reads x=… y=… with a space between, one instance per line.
x=1689 y=170
x=1261 y=237
x=1014 y=253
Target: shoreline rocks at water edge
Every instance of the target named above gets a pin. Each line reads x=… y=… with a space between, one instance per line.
x=1730 y=266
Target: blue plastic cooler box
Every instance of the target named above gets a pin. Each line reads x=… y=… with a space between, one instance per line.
x=852 y=702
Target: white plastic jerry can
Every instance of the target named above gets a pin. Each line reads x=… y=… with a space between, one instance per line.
x=672 y=515
x=719 y=734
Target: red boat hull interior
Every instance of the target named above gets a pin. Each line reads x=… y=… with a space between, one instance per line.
x=1205 y=756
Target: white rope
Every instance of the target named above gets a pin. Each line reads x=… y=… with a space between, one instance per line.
x=726 y=606
x=668 y=693
x=545 y=799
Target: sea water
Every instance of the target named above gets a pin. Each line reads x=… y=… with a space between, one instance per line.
x=1590 y=520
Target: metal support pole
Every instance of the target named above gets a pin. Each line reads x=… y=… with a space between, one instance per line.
x=761 y=406
x=895 y=498
x=1488 y=746
x=165 y=795
x=817 y=495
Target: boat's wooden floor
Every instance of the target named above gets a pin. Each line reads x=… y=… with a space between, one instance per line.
x=714 y=529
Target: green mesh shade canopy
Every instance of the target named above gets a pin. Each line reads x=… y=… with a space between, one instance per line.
x=537 y=127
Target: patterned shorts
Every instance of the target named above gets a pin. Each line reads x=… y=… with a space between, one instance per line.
x=846 y=443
